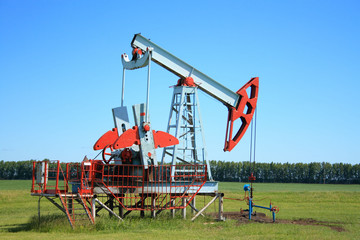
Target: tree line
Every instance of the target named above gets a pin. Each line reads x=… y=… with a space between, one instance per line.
x=16 y=169
x=315 y=172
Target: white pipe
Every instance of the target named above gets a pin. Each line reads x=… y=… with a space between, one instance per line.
x=148 y=88
x=123 y=88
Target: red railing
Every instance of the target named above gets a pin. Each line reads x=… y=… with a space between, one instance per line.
x=49 y=177
x=135 y=187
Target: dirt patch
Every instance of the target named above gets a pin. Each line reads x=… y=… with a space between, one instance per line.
x=243 y=218
x=309 y=221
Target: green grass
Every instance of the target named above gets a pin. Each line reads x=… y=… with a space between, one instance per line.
x=287 y=187
x=338 y=204
x=15 y=185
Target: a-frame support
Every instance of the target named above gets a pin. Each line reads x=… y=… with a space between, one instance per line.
x=186 y=125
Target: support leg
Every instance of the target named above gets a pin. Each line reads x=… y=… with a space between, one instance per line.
x=93 y=208
x=142 y=212
x=221 y=207
x=153 y=212
x=111 y=205
x=121 y=209
x=39 y=208
x=172 y=211
x=184 y=208
x=193 y=204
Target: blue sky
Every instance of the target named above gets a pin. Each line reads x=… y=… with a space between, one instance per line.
x=60 y=73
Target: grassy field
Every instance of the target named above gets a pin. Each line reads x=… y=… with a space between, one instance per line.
x=327 y=205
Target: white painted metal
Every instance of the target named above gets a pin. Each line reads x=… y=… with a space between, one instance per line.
x=108 y=209
x=185 y=124
x=147 y=151
x=121 y=119
x=136 y=63
x=184 y=209
x=123 y=88
x=148 y=88
x=221 y=207
x=209 y=187
x=93 y=208
x=204 y=208
x=204 y=151
x=182 y=69
x=41 y=172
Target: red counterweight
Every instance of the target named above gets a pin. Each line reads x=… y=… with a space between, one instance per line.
x=131 y=136
x=107 y=139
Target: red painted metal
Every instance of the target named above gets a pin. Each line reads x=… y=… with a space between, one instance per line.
x=108 y=138
x=87 y=178
x=131 y=137
x=126 y=155
x=241 y=114
x=164 y=139
x=137 y=52
x=189 y=81
x=134 y=187
x=154 y=188
x=57 y=175
x=106 y=156
x=33 y=179
x=54 y=178
x=128 y=138
x=146 y=128
x=252 y=177
x=275 y=209
x=47 y=175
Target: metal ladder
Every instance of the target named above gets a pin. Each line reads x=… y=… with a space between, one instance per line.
x=76 y=209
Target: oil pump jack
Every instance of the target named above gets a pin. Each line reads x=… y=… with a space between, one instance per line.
x=129 y=176
x=185 y=122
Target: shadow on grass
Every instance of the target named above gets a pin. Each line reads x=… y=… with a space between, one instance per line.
x=104 y=223
x=15 y=227
x=44 y=224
